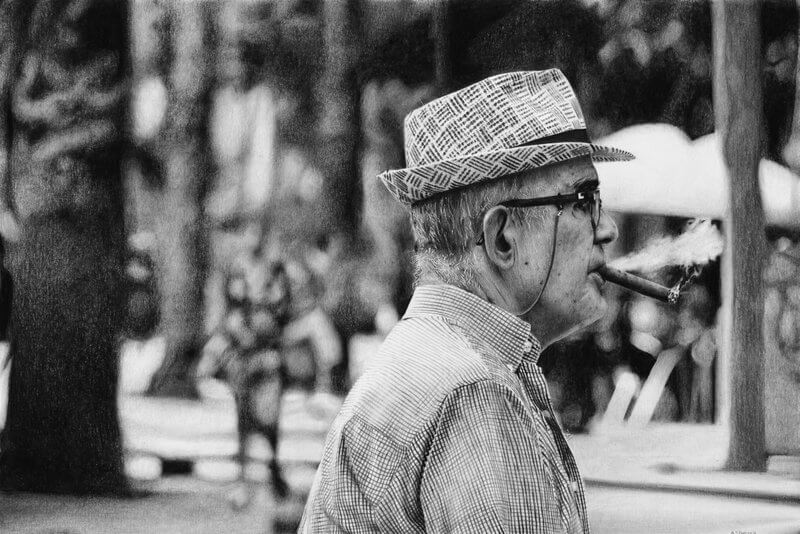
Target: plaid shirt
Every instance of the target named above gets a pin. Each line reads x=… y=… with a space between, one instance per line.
x=450 y=429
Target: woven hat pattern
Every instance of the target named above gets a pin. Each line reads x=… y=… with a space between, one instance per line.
x=476 y=134
x=500 y=112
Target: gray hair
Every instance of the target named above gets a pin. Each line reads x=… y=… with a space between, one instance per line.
x=446 y=227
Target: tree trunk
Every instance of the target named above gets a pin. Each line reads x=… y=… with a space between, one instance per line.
x=440 y=31
x=182 y=231
x=13 y=23
x=339 y=121
x=791 y=152
x=739 y=111
x=230 y=68
x=67 y=103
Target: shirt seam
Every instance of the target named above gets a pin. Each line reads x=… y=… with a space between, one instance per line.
x=462 y=331
x=406 y=450
x=397 y=446
x=485 y=380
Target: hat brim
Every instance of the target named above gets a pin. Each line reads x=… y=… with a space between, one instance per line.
x=413 y=184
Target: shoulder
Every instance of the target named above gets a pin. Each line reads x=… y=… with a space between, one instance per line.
x=483 y=403
x=422 y=363
x=432 y=354
x=440 y=355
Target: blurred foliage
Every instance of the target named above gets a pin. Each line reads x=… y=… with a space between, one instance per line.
x=281 y=44
x=631 y=61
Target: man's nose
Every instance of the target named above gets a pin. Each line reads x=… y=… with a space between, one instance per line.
x=606 y=231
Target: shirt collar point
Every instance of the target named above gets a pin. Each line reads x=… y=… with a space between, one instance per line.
x=508 y=334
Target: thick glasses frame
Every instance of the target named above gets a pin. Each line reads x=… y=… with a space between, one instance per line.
x=580 y=197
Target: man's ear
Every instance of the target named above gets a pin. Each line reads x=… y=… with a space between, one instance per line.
x=499 y=237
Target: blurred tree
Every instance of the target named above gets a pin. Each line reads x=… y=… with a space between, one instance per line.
x=791 y=152
x=230 y=67
x=188 y=173
x=338 y=205
x=281 y=44
x=779 y=38
x=385 y=221
x=738 y=106
x=149 y=39
x=385 y=277
x=440 y=19
x=338 y=99
x=62 y=92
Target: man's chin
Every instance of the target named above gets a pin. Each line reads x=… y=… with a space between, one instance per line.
x=595 y=311
x=587 y=320
x=590 y=308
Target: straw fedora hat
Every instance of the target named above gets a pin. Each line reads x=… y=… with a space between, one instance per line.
x=502 y=125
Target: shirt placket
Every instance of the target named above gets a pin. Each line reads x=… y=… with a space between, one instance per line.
x=535 y=385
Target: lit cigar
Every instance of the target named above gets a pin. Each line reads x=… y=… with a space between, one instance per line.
x=638 y=284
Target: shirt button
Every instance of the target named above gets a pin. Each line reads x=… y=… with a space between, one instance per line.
x=574 y=486
x=527 y=346
x=546 y=414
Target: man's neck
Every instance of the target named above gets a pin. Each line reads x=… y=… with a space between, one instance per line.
x=539 y=320
x=494 y=293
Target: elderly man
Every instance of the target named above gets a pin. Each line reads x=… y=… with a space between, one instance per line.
x=451 y=428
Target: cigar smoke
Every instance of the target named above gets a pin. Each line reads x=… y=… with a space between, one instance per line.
x=701 y=243
x=698 y=245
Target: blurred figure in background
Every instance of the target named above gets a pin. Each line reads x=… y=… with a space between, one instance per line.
x=143 y=306
x=311 y=343
x=6 y=299
x=652 y=327
x=6 y=294
x=273 y=335
x=696 y=334
x=245 y=351
x=668 y=354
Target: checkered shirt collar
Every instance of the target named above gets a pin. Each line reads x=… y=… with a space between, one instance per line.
x=509 y=335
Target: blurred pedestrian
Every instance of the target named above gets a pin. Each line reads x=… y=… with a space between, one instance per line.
x=696 y=334
x=451 y=428
x=311 y=345
x=245 y=351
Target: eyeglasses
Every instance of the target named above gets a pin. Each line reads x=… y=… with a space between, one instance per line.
x=585 y=200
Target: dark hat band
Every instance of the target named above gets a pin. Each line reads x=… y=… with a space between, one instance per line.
x=570 y=136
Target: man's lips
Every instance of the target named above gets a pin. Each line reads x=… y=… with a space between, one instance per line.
x=595 y=275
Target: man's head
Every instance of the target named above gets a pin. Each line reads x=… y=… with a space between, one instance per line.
x=503 y=198
x=508 y=254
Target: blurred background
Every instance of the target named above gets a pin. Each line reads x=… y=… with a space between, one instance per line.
x=194 y=227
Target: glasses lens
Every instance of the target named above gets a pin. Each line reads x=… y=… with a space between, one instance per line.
x=597 y=205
